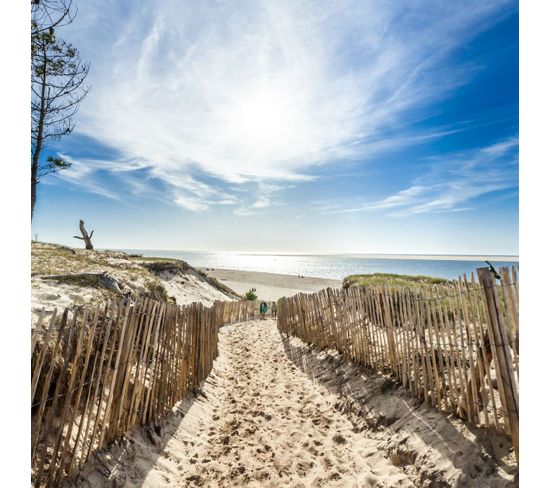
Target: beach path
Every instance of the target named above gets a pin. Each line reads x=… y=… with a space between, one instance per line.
x=258 y=421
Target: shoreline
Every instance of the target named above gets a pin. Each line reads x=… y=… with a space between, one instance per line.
x=438 y=257
x=269 y=286
x=509 y=258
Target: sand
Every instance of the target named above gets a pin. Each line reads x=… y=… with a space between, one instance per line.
x=270 y=286
x=190 y=287
x=274 y=412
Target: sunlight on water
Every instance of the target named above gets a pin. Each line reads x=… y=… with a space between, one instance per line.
x=323 y=266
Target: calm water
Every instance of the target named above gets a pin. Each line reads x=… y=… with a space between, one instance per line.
x=322 y=266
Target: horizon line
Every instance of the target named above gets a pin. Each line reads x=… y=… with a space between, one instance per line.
x=374 y=255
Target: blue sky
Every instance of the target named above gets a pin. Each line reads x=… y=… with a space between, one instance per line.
x=293 y=126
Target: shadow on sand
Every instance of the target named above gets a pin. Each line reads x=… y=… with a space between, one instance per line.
x=412 y=433
x=130 y=460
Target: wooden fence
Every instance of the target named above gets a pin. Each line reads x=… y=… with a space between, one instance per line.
x=98 y=372
x=454 y=345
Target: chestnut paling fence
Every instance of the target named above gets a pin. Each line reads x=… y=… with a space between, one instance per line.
x=454 y=345
x=99 y=371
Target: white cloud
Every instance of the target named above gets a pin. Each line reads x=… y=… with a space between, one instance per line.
x=190 y=203
x=263 y=91
x=452 y=181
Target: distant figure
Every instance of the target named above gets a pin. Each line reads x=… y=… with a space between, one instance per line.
x=263 y=309
x=274 y=309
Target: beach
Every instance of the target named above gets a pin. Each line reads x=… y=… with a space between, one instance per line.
x=269 y=409
x=270 y=286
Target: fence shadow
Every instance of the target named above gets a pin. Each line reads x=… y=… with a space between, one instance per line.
x=375 y=403
x=110 y=465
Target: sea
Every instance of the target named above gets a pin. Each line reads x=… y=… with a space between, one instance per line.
x=330 y=266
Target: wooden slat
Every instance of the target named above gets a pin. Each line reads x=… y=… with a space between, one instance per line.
x=49 y=413
x=88 y=408
x=81 y=379
x=43 y=350
x=38 y=330
x=74 y=370
x=100 y=389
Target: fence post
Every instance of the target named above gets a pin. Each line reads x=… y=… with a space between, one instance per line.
x=387 y=323
x=498 y=337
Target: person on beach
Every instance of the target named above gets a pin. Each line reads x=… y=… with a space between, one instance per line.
x=274 y=309
x=263 y=309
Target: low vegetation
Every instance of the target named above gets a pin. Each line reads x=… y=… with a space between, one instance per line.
x=390 y=279
x=90 y=281
x=156 y=290
x=251 y=295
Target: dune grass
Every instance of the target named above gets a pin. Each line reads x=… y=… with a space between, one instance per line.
x=393 y=280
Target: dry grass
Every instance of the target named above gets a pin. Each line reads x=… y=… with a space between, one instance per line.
x=393 y=280
x=53 y=259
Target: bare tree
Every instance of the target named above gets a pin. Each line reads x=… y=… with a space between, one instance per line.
x=85 y=237
x=58 y=74
x=51 y=14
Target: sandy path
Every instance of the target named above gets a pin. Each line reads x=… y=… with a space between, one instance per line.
x=260 y=421
x=274 y=427
x=276 y=413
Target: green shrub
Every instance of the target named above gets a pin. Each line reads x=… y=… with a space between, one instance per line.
x=251 y=295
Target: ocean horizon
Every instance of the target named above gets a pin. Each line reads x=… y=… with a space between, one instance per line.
x=334 y=266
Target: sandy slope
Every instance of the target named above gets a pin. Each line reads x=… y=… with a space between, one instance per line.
x=275 y=413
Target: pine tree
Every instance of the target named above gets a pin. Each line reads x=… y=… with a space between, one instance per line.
x=58 y=74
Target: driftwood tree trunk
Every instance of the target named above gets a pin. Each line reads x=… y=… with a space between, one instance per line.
x=85 y=237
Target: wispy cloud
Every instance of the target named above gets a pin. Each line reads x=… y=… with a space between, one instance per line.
x=451 y=182
x=208 y=97
x=83 y=176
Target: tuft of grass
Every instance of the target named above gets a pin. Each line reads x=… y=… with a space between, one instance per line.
x=150 y=259
x=156 y=290
x=390 y=279
x=83 y=281
x=159 y=265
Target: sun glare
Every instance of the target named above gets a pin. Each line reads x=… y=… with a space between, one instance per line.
x=264 y=119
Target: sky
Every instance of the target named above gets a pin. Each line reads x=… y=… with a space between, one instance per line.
x=292 y=126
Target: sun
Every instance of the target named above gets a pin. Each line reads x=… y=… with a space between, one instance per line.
x=264 y=119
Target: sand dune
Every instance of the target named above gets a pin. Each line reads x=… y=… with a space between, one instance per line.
x=133 y=274
x=275 y=413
